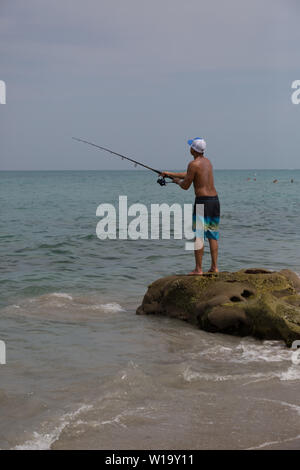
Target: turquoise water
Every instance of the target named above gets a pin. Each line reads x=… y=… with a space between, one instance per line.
x=49 y=243
x=83 y=371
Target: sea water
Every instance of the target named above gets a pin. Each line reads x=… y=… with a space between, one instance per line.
x=83 y=371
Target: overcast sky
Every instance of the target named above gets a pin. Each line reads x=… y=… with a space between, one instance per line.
x=142 y=77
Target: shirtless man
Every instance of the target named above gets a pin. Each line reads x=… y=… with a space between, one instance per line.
x=200 y=173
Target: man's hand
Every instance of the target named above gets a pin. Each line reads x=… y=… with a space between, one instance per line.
x=177 y=180
x=174 y=179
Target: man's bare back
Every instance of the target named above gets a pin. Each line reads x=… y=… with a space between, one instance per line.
x=200 y=173
x=203 y=177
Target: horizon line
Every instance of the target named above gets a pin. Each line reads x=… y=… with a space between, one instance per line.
x=145 y=170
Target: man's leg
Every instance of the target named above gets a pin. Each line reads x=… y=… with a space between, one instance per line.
x=213 y=245
x=198 y=258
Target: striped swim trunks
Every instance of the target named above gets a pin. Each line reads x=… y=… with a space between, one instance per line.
x=211 y=220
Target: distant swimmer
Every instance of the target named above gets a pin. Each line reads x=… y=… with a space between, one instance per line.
x=248 y=179
x=275 y=181
x=254 y=179
x=292 y=180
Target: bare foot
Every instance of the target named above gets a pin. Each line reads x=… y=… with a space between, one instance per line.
x=196 y=272
x=213 y=270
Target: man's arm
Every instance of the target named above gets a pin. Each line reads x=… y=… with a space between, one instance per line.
x=188 y=179
x=175 y=175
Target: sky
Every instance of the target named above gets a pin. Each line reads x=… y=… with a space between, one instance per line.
x=142 y=77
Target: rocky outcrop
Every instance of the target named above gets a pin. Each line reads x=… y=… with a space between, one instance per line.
x=256 y=302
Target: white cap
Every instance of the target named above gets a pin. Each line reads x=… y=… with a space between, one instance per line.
x=198 y=144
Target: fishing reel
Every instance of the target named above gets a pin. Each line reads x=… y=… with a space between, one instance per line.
x=161 y=181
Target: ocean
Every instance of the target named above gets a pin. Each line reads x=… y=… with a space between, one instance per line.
x=83 y=371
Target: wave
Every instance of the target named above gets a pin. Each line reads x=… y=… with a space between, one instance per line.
x=246 y=351
x=65 y=306
x=272 y=358
x=291 y=374
x=270 y=443
x=61 y=295
x=126 y=400
x=190 y=375
x=110 y=408
x=44 y=441
x=110 y=307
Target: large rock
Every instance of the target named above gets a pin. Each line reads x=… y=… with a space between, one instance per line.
x=254 y=302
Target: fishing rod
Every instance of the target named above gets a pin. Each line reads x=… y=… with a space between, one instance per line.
x=161 y=179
